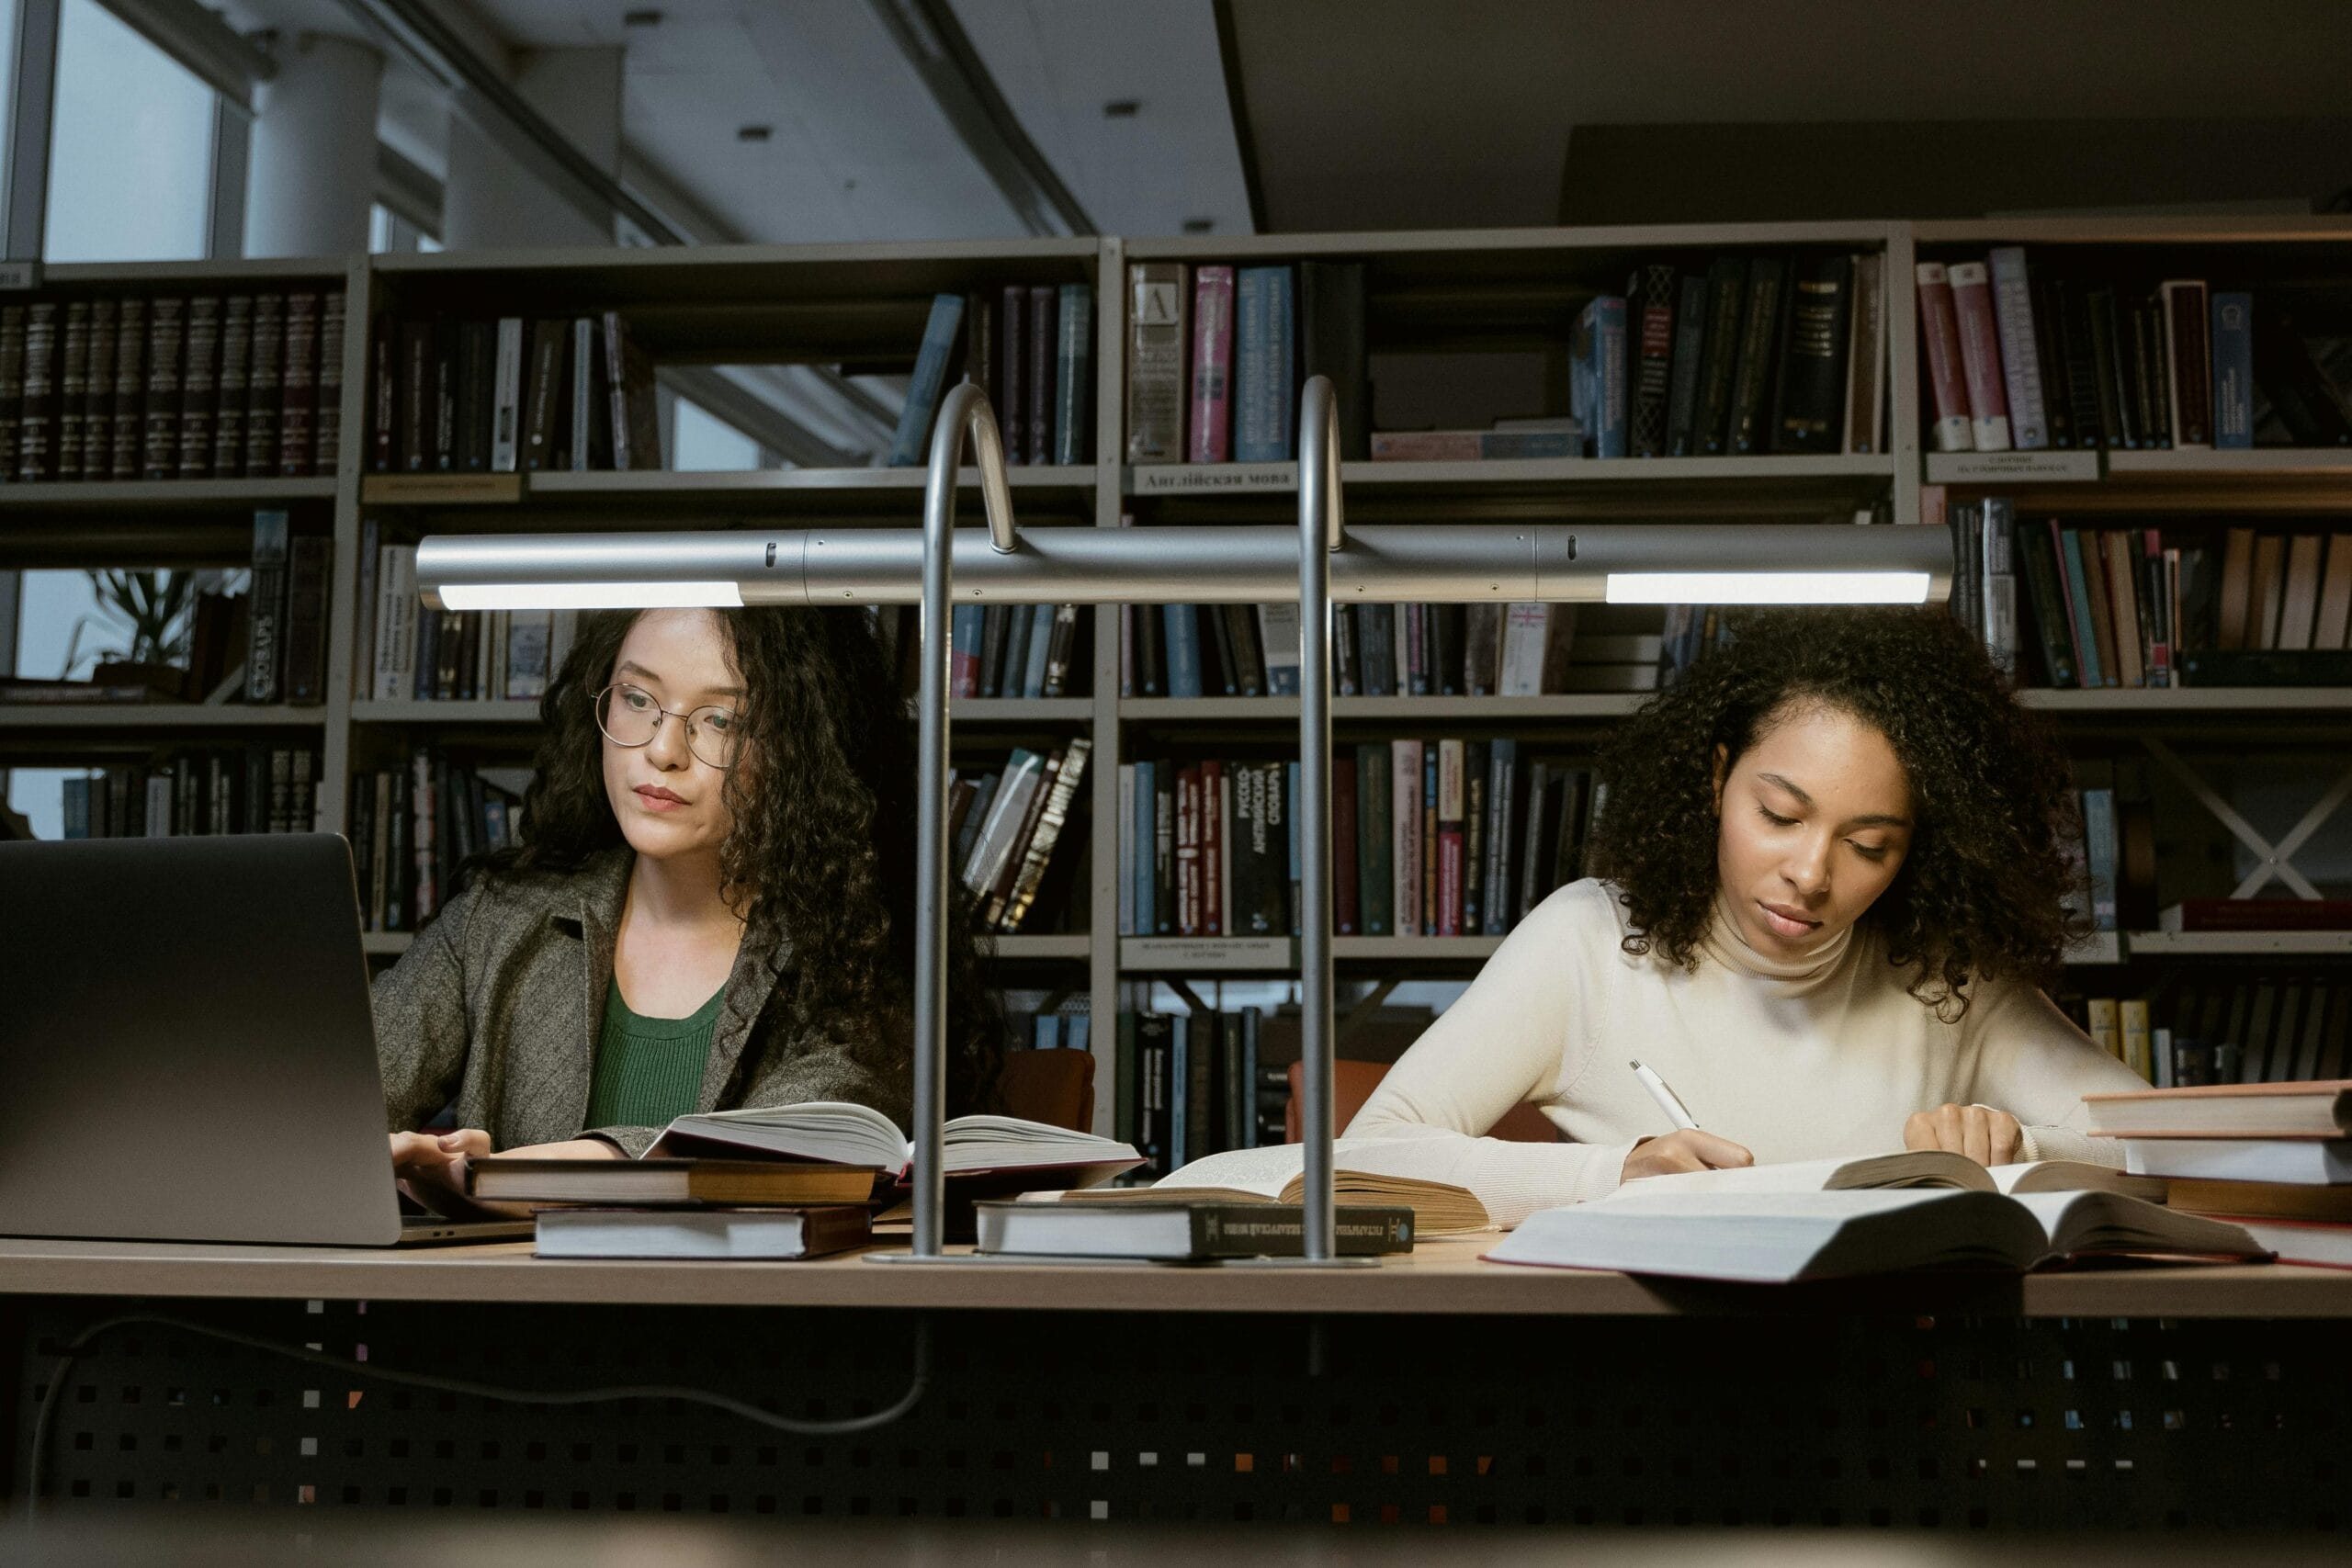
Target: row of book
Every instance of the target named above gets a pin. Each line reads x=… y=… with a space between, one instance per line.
x=172 y=387
x=410 y=651
x=1409 y=649
x=1428 y=838
x=1216 y=354
x=2023 y=356
x=509 y=395
x=1771 y=352
x=1003 y=825
x=216 y=789
x=1015 y=651
x=414 y=825
x=1031 y=349
x=2289 y=1027
x=1191 y=1085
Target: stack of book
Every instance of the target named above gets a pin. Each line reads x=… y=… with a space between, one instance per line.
x=1031 y=349
x=1003 y=828
x=2024 y=357
x=1428 y=838
x=498 y=396
x=684 y=1208
x=170 y=386
x=2276 y=1157
x=218 y=789
x=412 y=827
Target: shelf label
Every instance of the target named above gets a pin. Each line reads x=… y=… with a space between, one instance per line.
x=1209 y=478
x=2013 y=468
x=440 y=489
x=1207 y=952
x=19 y=277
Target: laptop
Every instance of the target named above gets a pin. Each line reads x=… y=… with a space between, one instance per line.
x=187 y=1052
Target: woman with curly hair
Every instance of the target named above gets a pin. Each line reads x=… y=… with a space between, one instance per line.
x=1834 y=867
x=710 y=906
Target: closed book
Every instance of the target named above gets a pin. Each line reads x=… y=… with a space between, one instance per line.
x=509 y=1178
x=98 y=399
x=1375 y=888
x=2321 y=1111
x=545 y=418
x=2021 y=371
x=383 y=397
x=720 y=1233
x=2111 y=352
x=1073 y=385
x=12 y=393
x=1980 y=357
x=1261 y=852
x=2303 y=1161
x=233 y=387
x=1682 y=384
x=1719 y=354
x=1158 y=335
x=1045 y=832
x=326 y=418
x=1177 y=1232
x=1650 y=299
x=72 y=390
x=1010 y=394
x=416 y=399
x=1597 y=371
x=1037 y=418
x=1209 y=416
x=1954 y=428
x=305 y=679
x=1810 y=404
x=1332 y=344
x=506 y=395
x=2050 y=356
x=1406 y=774
x=1498 y=905
x=128 y=443
x=299 y=387
x=2189 y=380
x=2053 y=628
x=265 y=621
x=166 y=342
x=580 y=440
x=2279 y=1200
x=1264 y=364
x=2233 y=370
x=477 y=385
x=910 y=443
x=1759 y=338
x=1866 y=349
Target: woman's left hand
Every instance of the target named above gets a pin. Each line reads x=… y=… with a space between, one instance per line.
x=1983 y=1134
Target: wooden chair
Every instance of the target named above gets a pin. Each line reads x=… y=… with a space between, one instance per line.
x=1052 y=1086
x=1353 y=1083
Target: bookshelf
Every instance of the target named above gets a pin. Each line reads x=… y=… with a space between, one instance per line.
x=1434 y=297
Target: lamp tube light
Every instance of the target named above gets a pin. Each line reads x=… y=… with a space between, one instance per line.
x=1768 y=587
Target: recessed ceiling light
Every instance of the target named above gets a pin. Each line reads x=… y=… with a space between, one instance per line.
x=640 y=19
x=1121 y=109
x=753 y=133
x=1199 y=225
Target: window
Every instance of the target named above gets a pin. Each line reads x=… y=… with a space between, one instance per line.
x=388 y=230
x=703 y=442
x=130 y=149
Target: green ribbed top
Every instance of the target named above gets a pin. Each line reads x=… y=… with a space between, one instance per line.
x=648 y=1069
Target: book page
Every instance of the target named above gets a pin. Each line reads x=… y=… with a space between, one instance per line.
x=1012 y=1132
x=1268 y=1170
x=2108 y=1221
x=2072 y=1176
x=823 y=1129
x=1912 y=1168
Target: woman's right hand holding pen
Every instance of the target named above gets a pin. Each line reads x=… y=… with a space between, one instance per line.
x=1686 y=1149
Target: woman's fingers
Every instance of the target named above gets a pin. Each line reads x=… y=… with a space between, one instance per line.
x=1984 y=1136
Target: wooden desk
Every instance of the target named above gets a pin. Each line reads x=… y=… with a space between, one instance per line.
x=1435 y=1388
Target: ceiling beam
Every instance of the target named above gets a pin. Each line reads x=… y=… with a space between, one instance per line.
x=1236 y=102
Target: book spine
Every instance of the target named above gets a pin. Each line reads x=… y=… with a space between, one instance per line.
x=70 y=393
x=1502 y=786
x=1073 y=387
x=1866 y=357
x=265 y=620
x=1278 y=637
x=2118 y=417
x=1610 y=430
x=506 y=395
x=299 y=401
x=1045 y=832
x=37 y=415
x=166 y=340
x=1265 y=365
x=1452 y=847
x=910 y=444
x=1810 y=403
x=1158 y=322
x=1726 y=290
x=1650 y=296
x=1184 y=650
x=1375 y=887
x=2102 y=854
x=1404 y=825
x=1759 y=335
x=1010 y=394
x=232 y=376
x=1980 y=357
x=1037 y=423
x=1682 y=392
x=586 y=345
x=1346 y=912
x=12 y=396
x=326 y=421
x=2188 y=383
x=2232 y=370
x=1189 y=902
x=1211 y=417
x=2052 y=627
x=199 y=387
x=1216 y=847
x=305 y=677
x=2020 y=355
x=1940 y=332
x=2074 y=577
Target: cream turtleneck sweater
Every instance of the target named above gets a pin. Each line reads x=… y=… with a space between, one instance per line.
x=1822 y=1056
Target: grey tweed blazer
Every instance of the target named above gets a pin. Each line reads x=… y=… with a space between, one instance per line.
x=499 y=1003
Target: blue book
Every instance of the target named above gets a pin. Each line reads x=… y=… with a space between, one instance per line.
x=2102 y=850
x=1144 y=828
x=1598 y=374
x=1041 y=641
x=1048 y=1034
x=1077 y=1032
x=1073 y=387
x=1298 y=855
x=1263 y=365
x=1184 y=650
x=911 y=448
x=1502 y=767
x=2232 y=370
x=74 y=803
x=1179 y=1074
x=2079 y=593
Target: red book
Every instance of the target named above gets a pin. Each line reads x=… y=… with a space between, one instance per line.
x=1212 y=842
x=1939 y=329
x=1211 y=419
x=1980 y=355
x=1343 y=845
x=1449 y=792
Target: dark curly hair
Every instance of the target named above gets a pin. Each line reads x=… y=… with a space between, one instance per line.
x=1984 y=889
x=823 y=847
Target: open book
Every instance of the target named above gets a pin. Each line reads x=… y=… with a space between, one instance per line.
x=1003 y=1152
x=1365 y=1170
x=1760 y=1234
x=1912 y=1168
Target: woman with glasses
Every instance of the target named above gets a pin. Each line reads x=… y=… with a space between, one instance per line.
x=710 y=906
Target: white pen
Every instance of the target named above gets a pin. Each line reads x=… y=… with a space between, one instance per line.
x=1665 y=1097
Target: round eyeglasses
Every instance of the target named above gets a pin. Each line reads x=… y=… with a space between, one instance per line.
x=630 y=716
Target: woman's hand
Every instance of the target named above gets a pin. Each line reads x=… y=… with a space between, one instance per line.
x=1689 y=1150
x=1983 y=1134
x=432 y=1169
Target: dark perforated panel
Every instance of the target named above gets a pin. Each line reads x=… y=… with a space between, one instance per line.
x=1940 y=1423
